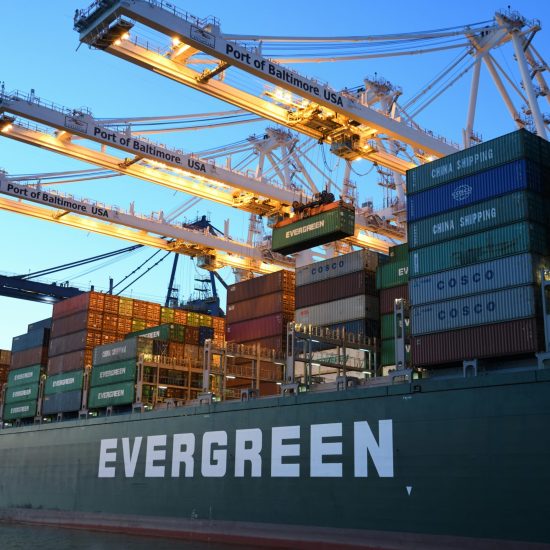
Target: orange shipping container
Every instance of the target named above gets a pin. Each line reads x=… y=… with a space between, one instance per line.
x=111 y=303
x=180 y=317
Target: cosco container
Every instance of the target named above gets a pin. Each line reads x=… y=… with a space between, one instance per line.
x=389 y=295
x=64 y=382
x=387 y=326
x=24 y=409
x=113 y=394
x=495 y=340
x=519 y=175
x=356 y=307
x=325 y=227
x=511 y=208
x=480 y=247
x=479 y=309
x=69 y=401
x=112 y=373
x=246 y=331
x=387 y=353
x=276 y=302
x=258 y=286
x=34 y=339
x=520 y=144
x=361 y=260
x=25 y=376
x=510 y=271
x=22 y=392
x=392 y=273
x=338 y=288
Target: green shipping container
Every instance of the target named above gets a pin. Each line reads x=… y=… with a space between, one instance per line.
x=113 y=394
x=511 y=208
x=167 y=315
x=113 y=373
x=24 y=409
x=21 y=393
x=480 y=247
x=26 y=376
x=392 y=274
x=320 y=229
x=516 y=145
x=171 y=332
x=399 y=252
x=66 y=381
x=387 y=353
x=386 y=327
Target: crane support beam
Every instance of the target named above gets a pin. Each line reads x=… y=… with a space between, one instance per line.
x=94 y=24
x=182 y=172
x=139 y=229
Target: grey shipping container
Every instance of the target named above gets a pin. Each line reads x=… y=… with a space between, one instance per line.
x=338 y=288
x=513 y=146
x=266 y=284
x=494 y=340
x=511 y=208
x=67 y=343
x=480 y=247
x=339 y=311
x=479 y=309
x=336 y=267
x=69 y=401
x=276 y=302
x=34 y=339
x=510 y=271
x=117 y=351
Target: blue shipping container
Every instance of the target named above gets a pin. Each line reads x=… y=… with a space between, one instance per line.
x=35 y=339
x=521 y=269
x=205 y=333
x=514 y=176
x=69 y=401
x=480 y=309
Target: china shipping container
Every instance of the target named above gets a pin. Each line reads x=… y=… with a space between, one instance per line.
x=28 y=357
x=260 y=306
x=65 y=402
x=505 y=272
x=282 y=280
x=494 y=340
x=118 y=351
x=389 y=295
x=352 y=284
x=517 y=176
x=480 y=217
x=478 y=309
x=520 y=144
x=361 y=260
x=348 y=309
x=480 y=247
x=34 y=339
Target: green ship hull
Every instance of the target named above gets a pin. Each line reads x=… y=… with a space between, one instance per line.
x=436 y=462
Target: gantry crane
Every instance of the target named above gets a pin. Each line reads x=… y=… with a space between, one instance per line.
x=212 y=252
x=159 y=164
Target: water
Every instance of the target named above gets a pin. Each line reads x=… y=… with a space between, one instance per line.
x=24 y=537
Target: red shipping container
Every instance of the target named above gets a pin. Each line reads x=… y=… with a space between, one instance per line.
x=76 y=322
x=191 y=335
x=29 y=357
x=277 y=343
x=266 y=284
x=495 y=340
x=67 y=362
x=389 y=295
x=276 y=302
x=71 y=305
x=70 y=342
x=246 y=331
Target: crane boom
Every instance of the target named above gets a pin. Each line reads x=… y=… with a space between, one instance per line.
x=314 y=108
x=161 y=165
x=149 y=231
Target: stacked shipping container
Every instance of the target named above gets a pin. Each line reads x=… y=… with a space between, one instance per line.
x=259 y=309
x=340 y=293
x=5 y=359
x=392 y=282
x=478 y=240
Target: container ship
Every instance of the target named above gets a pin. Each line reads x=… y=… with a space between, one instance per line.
x=367 y=400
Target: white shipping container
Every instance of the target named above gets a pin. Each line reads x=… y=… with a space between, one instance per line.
x=336 y=267
x=479 y=309
x=340 y=311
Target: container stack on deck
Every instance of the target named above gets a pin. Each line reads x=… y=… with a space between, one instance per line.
x=28 y=360
x=392 y=279
x=340 y=293
x=478 y=237
x=5 y=358
x=259 y=309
